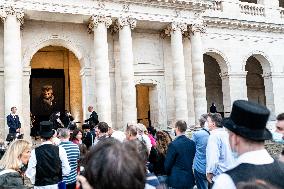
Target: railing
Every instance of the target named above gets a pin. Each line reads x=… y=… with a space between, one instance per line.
x=216 y=6
x=252 y=9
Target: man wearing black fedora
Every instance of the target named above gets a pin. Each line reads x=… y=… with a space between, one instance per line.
x=247 y=133
x=48 y=162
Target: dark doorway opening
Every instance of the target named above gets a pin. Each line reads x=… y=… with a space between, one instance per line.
x=47 y=94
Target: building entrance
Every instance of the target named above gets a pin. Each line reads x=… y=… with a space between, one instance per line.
x=143 y=105
x=55 y=85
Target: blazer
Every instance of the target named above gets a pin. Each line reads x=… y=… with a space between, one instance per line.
x=178 y=163
x=13 y=123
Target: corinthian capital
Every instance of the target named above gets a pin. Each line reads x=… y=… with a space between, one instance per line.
x=10 y=10
x=126 y=21
x=197 y=28
x=174 y=27
x=96 y=19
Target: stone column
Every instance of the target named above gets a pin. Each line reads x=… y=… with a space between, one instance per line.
x=128 y=91
x=26 y=120
x=13 y=69
x=198 y=76
x=99 y=25
x=176 y=30
x=269 y=96
x=234 y=88
x=188 y=78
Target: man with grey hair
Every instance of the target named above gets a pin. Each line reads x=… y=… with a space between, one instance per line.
x=73 y=155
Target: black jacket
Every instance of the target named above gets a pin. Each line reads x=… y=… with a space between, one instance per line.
x=178 y=163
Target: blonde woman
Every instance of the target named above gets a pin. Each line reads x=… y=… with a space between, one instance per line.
x=11 y=164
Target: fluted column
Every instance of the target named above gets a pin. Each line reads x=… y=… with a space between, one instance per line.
x=198 y=76
x=13 y=69
x=176 y=30
x=128 y=92
x=99 y=25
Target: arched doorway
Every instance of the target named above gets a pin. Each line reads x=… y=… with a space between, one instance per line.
x=213 y=83
x=255 y=82
x=259 y=81
x=55 y=83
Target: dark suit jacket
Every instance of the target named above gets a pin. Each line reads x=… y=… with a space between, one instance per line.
x=93 y=120
x=178 y=163
x=13 y=123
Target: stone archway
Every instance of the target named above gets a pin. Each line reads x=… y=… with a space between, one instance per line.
x=85 y=72
x=215 y=64
x=259 y=80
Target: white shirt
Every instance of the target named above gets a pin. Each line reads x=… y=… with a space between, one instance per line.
x=250 y=157
x=31 y=171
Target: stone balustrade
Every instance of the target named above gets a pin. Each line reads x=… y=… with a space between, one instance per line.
x=216 y=5
x=252 y=9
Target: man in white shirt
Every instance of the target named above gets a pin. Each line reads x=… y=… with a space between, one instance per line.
x=247 y=133
x=48 y=163
x=219 y=156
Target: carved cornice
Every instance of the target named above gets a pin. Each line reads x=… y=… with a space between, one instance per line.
x=10 y=10
x=243 y=25
x=200 y=5
x=96 y=19
x=118 y=8
x=125 y=21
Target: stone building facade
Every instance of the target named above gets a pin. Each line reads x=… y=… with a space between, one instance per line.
x=187 y=53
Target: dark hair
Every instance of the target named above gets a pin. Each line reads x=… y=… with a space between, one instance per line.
x=216 y=118
x=203 y=119
x=111 y=164
x=181 y=125
x=103 y=127
x=282 y=153
x=74 y=134
x=13 y=107
x=280 y=117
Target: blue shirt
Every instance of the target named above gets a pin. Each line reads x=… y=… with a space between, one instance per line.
x=200 y=138
x=219 y=157
x=73 y=155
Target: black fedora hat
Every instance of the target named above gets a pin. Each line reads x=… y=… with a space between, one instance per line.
x=248 y=120
x=46 y=129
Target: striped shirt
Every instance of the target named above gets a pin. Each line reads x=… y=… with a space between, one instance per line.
x=73 y=155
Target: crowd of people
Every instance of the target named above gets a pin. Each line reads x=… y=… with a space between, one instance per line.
x=223 y=153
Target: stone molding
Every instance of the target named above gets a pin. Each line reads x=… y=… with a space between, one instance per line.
x=96 y=19
x=146 y=81
x=11 y=10
x=243 y=25
x=269 y=75
x=27 y=71
x=227 y=75
x=86 y=71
